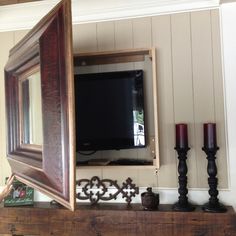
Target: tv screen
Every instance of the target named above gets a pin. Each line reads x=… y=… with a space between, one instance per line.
x=109 y=110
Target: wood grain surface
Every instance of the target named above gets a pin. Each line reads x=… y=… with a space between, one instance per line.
x=48 y=45
x=114 y=220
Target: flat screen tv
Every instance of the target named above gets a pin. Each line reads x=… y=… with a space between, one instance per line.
x=109 y=111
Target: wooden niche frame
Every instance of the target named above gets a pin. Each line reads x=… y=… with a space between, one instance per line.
x=126 y=56
x=47 y=46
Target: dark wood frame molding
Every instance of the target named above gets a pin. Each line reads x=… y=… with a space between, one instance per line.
x=48 y=45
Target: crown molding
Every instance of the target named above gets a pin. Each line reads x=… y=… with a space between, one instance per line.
x=26 y=15
x=124 y=9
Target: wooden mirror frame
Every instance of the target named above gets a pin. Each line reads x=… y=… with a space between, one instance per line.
x=48 y=45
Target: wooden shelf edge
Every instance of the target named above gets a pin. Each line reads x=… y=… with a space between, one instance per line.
x=163 y=208
x=111 y=57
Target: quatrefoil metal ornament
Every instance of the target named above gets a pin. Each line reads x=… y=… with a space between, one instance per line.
x=96 y=189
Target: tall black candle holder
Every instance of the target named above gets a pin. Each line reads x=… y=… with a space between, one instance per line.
x=182 y=204
x=213 y=205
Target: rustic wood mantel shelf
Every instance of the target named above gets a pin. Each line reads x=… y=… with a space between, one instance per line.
x=113 y=220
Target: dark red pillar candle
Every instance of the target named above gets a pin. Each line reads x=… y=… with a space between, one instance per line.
x=210 y=135
x=181 y=131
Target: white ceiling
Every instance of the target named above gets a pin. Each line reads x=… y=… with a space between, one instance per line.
x=26 y=15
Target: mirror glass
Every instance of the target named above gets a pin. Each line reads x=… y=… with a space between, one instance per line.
x=31 y=108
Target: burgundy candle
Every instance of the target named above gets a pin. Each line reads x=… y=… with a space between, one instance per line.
x=210 y=135
x=181 y=135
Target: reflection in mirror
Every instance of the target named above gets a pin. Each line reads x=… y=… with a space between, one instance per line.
x=31 y=108
x=139 y=132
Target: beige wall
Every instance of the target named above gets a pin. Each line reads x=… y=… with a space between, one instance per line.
x=190 y=87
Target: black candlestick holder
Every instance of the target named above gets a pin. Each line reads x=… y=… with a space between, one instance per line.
x=182 y=204
x=213 y=205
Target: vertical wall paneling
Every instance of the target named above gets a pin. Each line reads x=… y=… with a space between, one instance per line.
x=203 y=83
x=142 y=37
x=106 y=36
x=182 y=81
x=219 y=101
x=7 y=42
x=189 y=83
x=123 y=34
x=106 y=42
x=188 y=59
x=85 y=38
x=161 y=40
x=124 y=40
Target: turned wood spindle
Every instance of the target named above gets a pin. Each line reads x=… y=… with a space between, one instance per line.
x=210 y=148
x=182 y=149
